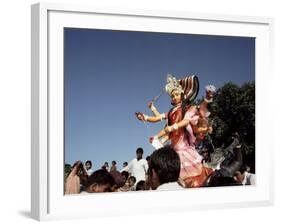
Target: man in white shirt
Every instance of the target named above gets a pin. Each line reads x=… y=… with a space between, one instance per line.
x=164 y=169
x=88 y=167
x=138 y=167
x=125 y=164
x=249 y=179
x=245 y=178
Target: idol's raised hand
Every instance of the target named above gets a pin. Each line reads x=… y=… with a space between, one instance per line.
x=210 y=91
x=140 y=116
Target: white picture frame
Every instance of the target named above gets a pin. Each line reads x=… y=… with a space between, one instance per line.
x=48 y=201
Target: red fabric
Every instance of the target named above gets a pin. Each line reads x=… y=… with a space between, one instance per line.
x=199 y=180
x=192 y=173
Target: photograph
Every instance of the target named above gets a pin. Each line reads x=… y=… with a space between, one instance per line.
x=156 y=111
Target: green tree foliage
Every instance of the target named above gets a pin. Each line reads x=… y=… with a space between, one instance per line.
x=233 y=110
x=67 y=170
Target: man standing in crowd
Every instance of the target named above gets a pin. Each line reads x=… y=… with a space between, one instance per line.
x=113 y=166
x=138 y=167
x=125 y=164
x=244 y=177
x=105 y=166
x=88 y=167
x=164 y=169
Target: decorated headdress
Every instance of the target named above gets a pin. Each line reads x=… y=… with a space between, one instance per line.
x=172 y=84
x=189 y=86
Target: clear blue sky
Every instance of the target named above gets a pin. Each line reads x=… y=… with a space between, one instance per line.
x=109 y=75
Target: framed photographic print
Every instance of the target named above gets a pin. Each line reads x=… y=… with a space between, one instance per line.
x=148 y=106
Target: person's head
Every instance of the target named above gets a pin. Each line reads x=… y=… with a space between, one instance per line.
x=139 y=153
x=147 y=158
x=103 y=167
x=244 y=168
x=106 y=164
x=125 y=164
x=240 y=174
x=140 y=186
x=113 y=163
x=118 y=179
x=247 y=168
x=125 y=175
x=100 y=181
x=88 y=164
x=131 y=181
x=164 y=167
x=239 y=177
x=206 y=154
x=176 y=97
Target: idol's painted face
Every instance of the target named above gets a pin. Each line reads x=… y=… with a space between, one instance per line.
x=176 y=97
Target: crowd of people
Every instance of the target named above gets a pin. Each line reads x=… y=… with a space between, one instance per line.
x=160 y=171
x=181 y=159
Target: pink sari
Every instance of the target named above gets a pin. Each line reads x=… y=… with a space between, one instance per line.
x=192 y=173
